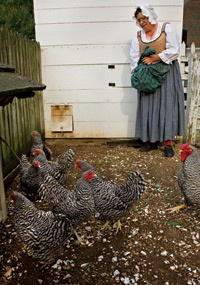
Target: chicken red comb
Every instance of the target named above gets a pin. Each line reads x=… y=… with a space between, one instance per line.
x=12 y=196
x=37 y=164
x=78 y=163
x=185 y=145
x=37 y=151
x=89 y=175
x=33 y=133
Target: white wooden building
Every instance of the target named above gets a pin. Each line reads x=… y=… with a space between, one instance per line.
x=85 y=64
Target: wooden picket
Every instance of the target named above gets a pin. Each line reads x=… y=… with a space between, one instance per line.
x=190 y=71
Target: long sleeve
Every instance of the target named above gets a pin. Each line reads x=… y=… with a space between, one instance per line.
x=172 y=45
x=134 y=53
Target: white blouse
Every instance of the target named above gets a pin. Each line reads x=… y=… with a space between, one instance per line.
x=168 y=55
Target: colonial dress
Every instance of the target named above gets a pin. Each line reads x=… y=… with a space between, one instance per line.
x=161 y=114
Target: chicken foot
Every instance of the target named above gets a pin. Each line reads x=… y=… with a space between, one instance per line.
x=79 y=239
x=105 y=225
x=118 y=226
x=176 y=209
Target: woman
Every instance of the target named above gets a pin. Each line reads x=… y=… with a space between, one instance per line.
x=160 y=115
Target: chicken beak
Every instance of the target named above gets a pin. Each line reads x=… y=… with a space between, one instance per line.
x=180 y=150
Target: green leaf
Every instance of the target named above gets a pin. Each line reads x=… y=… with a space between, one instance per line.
x=134 y=210
x=99 y=163
x=171 y=223
x=156 y=186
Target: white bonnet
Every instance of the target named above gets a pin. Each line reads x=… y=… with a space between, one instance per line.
x=148 y=11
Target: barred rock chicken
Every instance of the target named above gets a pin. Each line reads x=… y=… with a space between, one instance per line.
x=29 y=176
x=76 y=205
x=114 y=201
x=42 y=233
x=189 y=177
x=38 y=143
x=58 y=169
x=84 y=166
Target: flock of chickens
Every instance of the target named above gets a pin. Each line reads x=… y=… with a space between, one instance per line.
x=44 y=233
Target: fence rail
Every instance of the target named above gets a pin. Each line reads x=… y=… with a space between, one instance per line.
x=19 y=119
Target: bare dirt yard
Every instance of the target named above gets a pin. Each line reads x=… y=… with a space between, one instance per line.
x=154 y=246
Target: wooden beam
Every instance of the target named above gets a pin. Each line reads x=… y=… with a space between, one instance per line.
x=3 y=209
x=192 y=97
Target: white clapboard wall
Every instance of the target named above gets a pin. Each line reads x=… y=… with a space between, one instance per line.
x=85 y=64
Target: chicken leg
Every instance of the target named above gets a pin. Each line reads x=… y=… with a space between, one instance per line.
x=79 y=239
x=176 y=209
x=105 y=225
x=118 y=226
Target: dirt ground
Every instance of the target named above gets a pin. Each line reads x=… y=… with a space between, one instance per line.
x=154 y=246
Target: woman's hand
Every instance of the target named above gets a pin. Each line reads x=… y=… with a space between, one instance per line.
x=150 y=59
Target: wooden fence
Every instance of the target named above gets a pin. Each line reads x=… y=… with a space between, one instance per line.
x=19 y=119
x=190 y=70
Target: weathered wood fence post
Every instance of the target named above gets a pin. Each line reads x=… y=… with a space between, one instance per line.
x=193 y=92
x=3 y=210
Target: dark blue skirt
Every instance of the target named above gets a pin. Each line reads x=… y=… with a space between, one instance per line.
x=161 y=115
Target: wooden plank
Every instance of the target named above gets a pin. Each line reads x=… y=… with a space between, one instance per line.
x=193 y=98
x=112 y=95
x=100 y=14
x=86 y=54
x=85 y=77
x=89 y=33
x=51 y=4
x=97 y=130
x=3 y=209
x=184 y=76
x=99 y=112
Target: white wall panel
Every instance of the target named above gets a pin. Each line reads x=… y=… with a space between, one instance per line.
x=59 y=4
x=101 y=14
x=79 y=39
x=68 y=97
x=96 y=130
x=100 y=112
x=98 y=120
x=85 y=54
x=85 y=77
x=89 y=33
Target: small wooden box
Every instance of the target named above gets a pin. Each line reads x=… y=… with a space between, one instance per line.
x=61 y=118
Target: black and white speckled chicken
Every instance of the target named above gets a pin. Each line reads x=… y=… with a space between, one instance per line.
x=76 y=205
x=84 y=166
x=39 y=144
x=42 y=233
x=189 y=177
x=114 y=201
x=30 y=176
x=59 y=169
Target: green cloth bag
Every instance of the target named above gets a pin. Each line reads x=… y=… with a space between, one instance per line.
x=149 y=77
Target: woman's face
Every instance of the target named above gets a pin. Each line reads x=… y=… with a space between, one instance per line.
x=144 y=22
